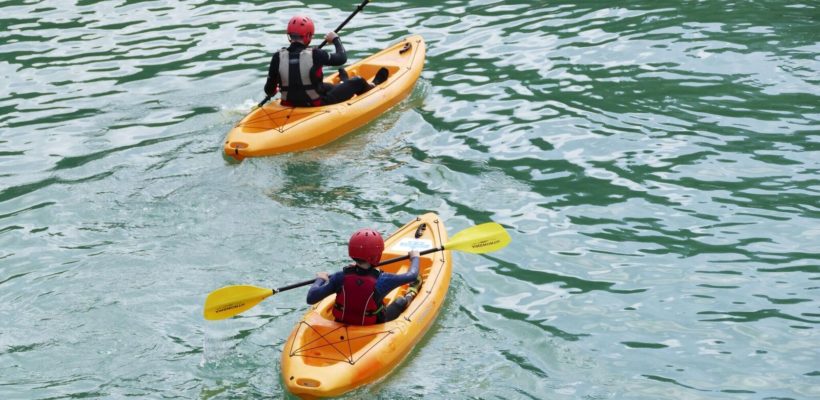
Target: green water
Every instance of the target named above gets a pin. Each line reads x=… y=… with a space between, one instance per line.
x=656 y=164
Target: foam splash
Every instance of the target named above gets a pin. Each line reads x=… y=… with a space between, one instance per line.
x=219 y=342
x=239 y=109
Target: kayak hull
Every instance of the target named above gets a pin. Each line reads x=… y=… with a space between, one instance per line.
x=324 y=358
x=274 y=129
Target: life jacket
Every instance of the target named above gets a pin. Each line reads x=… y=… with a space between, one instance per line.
x=356 y=303
x=301 y=90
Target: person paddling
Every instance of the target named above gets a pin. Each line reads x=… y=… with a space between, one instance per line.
x=296 y=71
x=360 y=288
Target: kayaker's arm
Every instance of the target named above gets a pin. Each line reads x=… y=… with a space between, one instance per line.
x=339 y=57
x=271 y=85
x=322 y=288
x=388 y=282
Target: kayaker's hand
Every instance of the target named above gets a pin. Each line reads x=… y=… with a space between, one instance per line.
x=413 y=253
x=323 y=276
x=330 y=36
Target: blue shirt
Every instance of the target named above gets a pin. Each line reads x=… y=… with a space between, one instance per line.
x=384 y=284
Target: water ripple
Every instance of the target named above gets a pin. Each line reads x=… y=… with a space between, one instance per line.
x=655 y=164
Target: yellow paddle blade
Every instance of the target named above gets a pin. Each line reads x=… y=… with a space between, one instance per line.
x=232 y=300
x=484 y=238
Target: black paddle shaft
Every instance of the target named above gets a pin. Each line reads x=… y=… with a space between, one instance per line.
x=294 y=286
x=349 y=17
x=262 y=103
x=405 y=257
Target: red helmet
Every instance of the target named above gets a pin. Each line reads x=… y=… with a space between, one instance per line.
x=366 y=244
x=301 y=25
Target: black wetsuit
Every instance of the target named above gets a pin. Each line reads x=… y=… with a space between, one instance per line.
x=329 y=94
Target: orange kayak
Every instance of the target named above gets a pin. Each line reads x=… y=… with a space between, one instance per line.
x=275 y=129
x=324 y=358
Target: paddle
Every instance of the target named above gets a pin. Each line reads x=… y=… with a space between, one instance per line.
x=339 y=28
x=228 y=301
x=349 y=17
